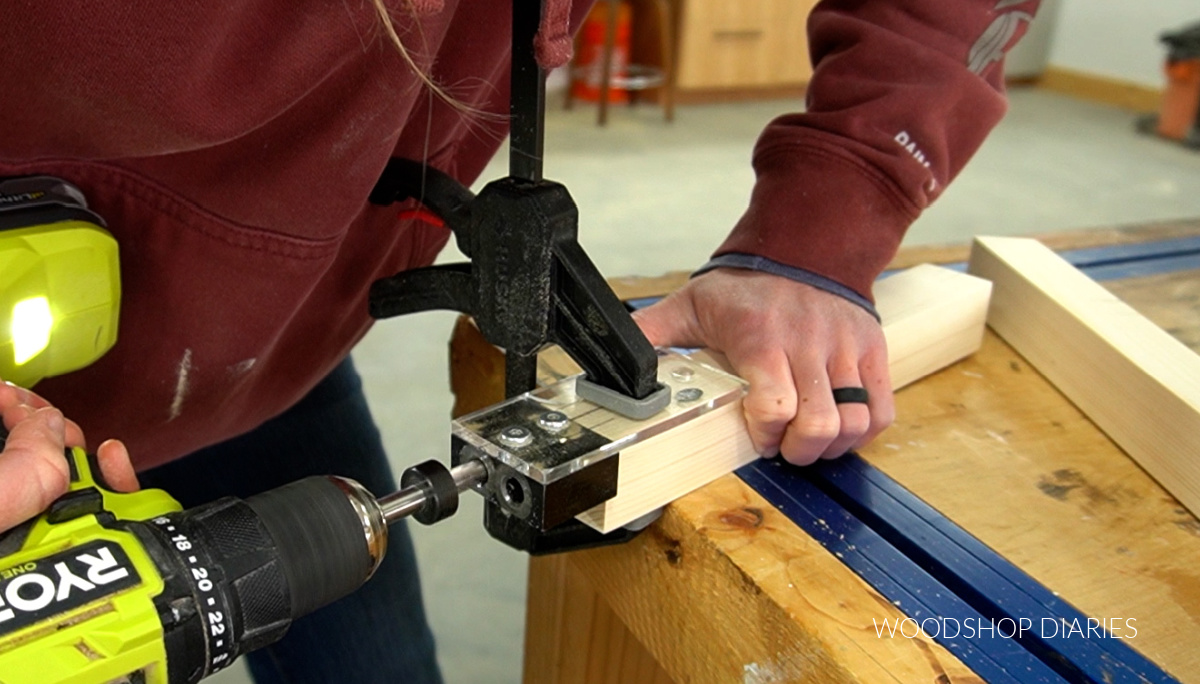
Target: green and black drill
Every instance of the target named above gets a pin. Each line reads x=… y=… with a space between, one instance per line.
x=113 y=587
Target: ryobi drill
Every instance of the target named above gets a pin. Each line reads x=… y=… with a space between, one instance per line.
x=107 y=587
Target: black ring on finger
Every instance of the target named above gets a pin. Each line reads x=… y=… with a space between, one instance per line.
x=850 y=395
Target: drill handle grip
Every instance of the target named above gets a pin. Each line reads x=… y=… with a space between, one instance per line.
x=85 y=470
x=84 y=467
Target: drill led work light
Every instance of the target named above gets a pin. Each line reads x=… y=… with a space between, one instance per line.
x=30 y=328
x=59 y=281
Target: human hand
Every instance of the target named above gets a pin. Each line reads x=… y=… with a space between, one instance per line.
x=794 y=344
x=33 y=472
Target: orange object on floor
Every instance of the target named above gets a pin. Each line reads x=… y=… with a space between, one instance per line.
x=588 y=72
x=1181 y=100
x=1178 y=117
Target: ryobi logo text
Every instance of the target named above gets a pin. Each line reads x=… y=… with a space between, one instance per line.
x=33 y=591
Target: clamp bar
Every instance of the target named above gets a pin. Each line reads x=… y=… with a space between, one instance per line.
x=528 y=101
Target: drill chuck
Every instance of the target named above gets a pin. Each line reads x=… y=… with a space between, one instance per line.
x=238 y=573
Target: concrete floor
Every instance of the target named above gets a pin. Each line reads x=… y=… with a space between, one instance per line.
x=655 y=197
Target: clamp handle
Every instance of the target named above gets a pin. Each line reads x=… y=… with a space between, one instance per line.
x=529 y=282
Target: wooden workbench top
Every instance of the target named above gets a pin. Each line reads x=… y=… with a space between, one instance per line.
x=726 y=589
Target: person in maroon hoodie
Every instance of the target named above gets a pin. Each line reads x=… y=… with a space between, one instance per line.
x=231 y=150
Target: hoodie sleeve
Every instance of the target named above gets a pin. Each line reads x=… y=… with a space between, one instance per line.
x=903 y=93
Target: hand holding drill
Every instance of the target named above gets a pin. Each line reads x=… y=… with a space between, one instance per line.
x=33 y=472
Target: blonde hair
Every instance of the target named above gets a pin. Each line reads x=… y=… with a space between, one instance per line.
x=389 y=27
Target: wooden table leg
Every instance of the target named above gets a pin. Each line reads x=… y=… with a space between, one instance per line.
x=573 y=637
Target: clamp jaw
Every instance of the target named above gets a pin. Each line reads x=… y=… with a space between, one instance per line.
x=529 y=284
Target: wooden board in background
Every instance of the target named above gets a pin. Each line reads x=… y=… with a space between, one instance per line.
x=1139 y=384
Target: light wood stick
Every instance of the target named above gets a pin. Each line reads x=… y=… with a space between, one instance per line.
x=1137 y=383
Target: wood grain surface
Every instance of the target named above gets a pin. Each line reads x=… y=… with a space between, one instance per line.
x=726 y=589
x=994 y=447
x=1137 y=383
x=1170 y=300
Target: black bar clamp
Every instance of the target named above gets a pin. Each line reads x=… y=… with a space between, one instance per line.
x=528 y=284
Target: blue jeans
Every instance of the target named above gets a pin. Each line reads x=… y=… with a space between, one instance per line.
x=376 y=634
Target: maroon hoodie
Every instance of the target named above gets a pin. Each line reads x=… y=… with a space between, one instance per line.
x=231 y=148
